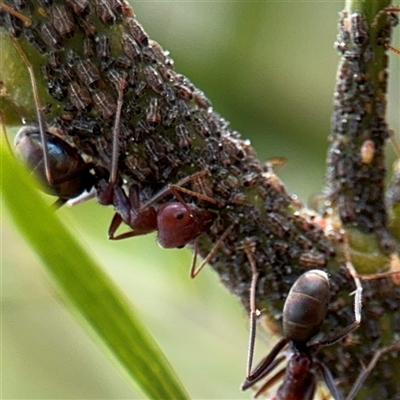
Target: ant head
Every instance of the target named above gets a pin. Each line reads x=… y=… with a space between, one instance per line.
x=177 y=227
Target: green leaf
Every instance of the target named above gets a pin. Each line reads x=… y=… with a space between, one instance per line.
x=85 y=287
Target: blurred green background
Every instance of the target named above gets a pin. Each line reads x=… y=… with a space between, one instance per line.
x=269 y=68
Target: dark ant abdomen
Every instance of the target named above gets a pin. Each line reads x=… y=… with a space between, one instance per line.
x=71 y=175
x=306 y=306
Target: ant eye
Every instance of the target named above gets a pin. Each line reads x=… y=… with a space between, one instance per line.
x=179 y=216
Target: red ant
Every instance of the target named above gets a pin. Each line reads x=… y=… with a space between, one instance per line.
x=177 y=223
x=67 y=175
x=304 y=311
x=183 y=221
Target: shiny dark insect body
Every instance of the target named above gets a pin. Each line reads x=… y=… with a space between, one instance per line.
x=304 y=311
x=67 y=175
x=58 y=164
x=177 y=222
x=71 y=176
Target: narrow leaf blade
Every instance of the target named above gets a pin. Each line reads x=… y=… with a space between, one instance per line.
x=85 y=286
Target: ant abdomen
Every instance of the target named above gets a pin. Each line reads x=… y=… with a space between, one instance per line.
x=177 y=227
x=70 y=174
x=306 y=306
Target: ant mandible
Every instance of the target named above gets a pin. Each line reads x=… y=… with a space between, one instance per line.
x=56 y=163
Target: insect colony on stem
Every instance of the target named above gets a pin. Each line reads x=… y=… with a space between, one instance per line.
x=176 y=222
x=66 y=174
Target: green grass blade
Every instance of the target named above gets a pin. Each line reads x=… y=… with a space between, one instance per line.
x=85 y=287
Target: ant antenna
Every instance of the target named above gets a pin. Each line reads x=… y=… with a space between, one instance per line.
x=39 y=110
x=177 y=187
x=193 y=271
x=379 y=275
x=248 y=247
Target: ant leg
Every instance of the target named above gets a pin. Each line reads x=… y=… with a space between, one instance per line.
x=364 y=374
x=354 y=275
x=82 y=198
x=39 y=110
x=105 y=191
x=357 y=299
x=193 y=271
x=115 y=223
x=116 y=133
x=194 y=177
x=379 y=275
x=123 y=208
x=167 y=190
x=329 y=380
x=266 y=365
x=27 y=21
x=393 y=49
x=248 y=247
x=174 y=189
x=141 y=222
x=270 y=382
